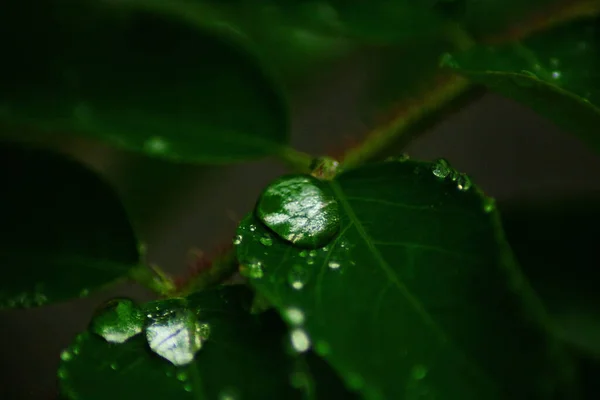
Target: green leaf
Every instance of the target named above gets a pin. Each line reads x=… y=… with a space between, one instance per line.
x=63 y=231
x=555 y=73
x=243 y=357
x=416 y=296
x=555 y=242
x=138 y=80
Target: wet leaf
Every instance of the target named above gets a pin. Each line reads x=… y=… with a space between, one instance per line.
x=63 y=232
x=242 y=357
x=416 y=295
x=555 y=73
x=138 y=80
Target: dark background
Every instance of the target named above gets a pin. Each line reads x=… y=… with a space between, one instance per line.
x=509 y=151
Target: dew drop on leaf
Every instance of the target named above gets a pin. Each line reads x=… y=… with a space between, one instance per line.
x=114 y=366
x=62 y=373
x=294 y=316
x=238 y=240
x=174 y=333
x=334 y=264
x=419 y=372
x=463 y=182
x=441 y=168
x=303 y=253
x=228 y=394
x=266 y=240
x=300 y=209
x=252 y=270
x=556 y=74
x=118 y=320
x=300 y=340
x=155 y=145
x=489 y=204
x=182 y=376
x=187 y=387
x=297 y=277
x=324 y=168
x=66 y=355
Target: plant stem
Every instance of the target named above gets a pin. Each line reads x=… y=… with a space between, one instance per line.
x=153 y=278
x=295 y=160
x=429 y=102
x=222 y=268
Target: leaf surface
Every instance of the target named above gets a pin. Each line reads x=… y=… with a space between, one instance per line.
x=243 y=357
x=555 y=73
x=138 y=80
x=63 y=231
x=415 y=296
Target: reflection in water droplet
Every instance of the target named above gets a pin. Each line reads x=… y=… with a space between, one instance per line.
x=266 y=240
x=301 y=210
x=238 y=240
x=174 y=333
x=300 y=340
x=441 y=168
x=294 y=316
x=156 y=145
x=297 y=277
x=118 y=320
x=252 y=270
x=66 y=355
x=419 y=372
x=334 y=264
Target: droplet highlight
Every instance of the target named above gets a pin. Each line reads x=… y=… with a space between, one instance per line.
x=294 y=316
x=300 y=209
x=300 y=340
x=118 y=320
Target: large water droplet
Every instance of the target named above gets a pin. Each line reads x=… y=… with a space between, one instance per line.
x=118 y=320
x=297 y=277
x=301 y=210
x=175 y=333
x=441 y=168
x=300 y=340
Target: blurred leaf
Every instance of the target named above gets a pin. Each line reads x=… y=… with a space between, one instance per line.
x=137 y=80
x=63 y=230
x=415 y=296
x=555 y=242
x=243 y=357
x=556 y=73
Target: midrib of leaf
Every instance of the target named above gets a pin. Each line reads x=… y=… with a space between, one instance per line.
x=412 y=300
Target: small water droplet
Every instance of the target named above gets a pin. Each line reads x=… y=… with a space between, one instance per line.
x=334 y=264
x=489 y=204
x=463 y=182
x=229 y=394
x=401 y=158
x=156 y=145
x=441 y=168
x=66 y=355
x=252 y=228
x=325 y=249
x=310 y=261
x=266 y=240
x=174 y=332
x=203 y=330
x=300 y=209
x=76 y=350
x=62 y=373
x=188 y=387
x=300 y=340
x=556 y=74
x=294 y=316
x=114 y=366
x=324 y=168
x=118 y=320
x=303 y=253
x=312 y=253
x=84 y=293
x=419 y=372
x=182 y=376
x=322 y=348
x=355 y=381
x=297 y=277
x=252 y=270
x=238 y=240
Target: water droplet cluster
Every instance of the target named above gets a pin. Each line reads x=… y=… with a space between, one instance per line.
x=441 y=169
x=172 y=330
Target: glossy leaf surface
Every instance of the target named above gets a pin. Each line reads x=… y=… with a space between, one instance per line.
x=63 y=232
x=243 y=358
x=556 y=73
x=415 y=296
x=137 y=79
